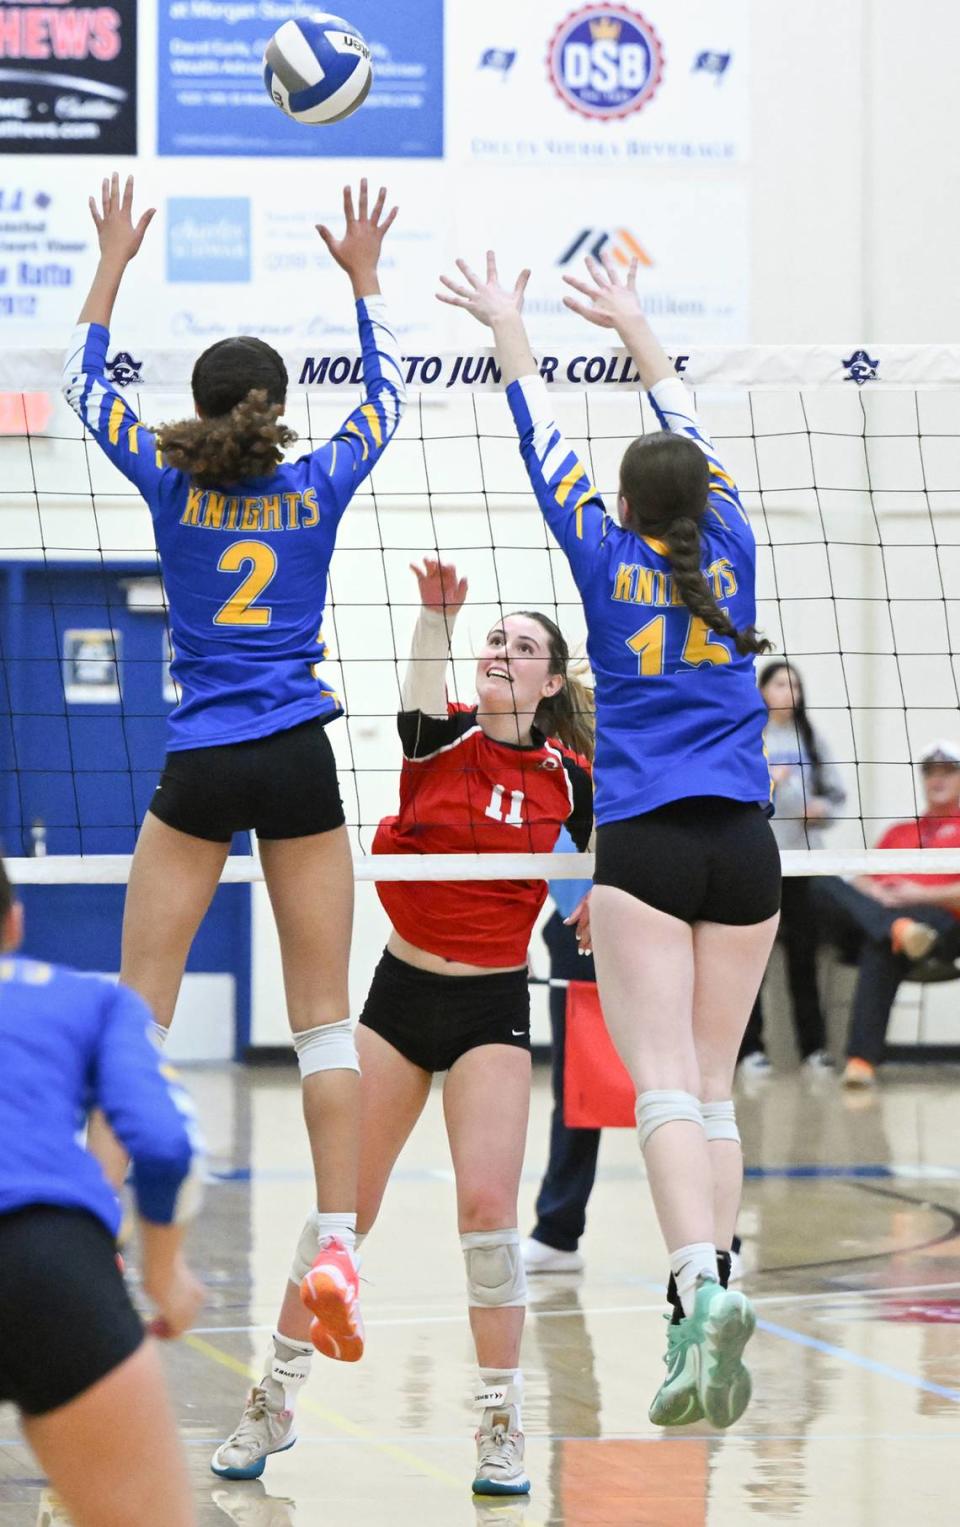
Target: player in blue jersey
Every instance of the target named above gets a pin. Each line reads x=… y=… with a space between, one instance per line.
x=73 y=1358
x=245 y=540
x=686 y=896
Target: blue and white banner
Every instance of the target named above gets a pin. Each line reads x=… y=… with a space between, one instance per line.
x=211 y=99
x=644 y=83
x=47 y=245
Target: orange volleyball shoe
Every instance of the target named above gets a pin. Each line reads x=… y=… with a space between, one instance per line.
x=331 y=1292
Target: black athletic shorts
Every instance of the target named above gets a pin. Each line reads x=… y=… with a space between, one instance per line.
x=65 y=1315
x=281 y=786
x=704 y=859
x=433 y=1019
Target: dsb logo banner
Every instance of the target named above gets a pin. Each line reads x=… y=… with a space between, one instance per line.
x=605 y=61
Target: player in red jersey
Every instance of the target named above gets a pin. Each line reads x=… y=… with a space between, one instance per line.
x=450 y=993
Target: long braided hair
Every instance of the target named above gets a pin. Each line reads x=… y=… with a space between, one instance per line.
x=664 y=481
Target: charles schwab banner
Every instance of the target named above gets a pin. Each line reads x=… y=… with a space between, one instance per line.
x=68 y=77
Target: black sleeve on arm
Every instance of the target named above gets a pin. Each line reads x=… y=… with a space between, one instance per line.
x=422 y=735
x=580 y=820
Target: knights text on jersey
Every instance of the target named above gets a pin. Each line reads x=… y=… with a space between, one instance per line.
x=461 y=792
x=678 y=710
x=245 y=568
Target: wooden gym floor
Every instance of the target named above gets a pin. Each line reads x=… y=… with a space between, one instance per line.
x=851 y=1222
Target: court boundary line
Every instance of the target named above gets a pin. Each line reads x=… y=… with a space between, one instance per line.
x=761 y=1301
x=342 y=1423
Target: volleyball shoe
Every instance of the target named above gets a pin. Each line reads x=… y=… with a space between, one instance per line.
x=677 y=1401
x=330 y=1292
x=266 y=1426
x=706 y=1378
x=500 y=1444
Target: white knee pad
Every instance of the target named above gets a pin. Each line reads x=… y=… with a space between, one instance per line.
x=328 y=1047
x=495 y=1274
x=656 y=1108
x=307 y=1247
x=720 y=1121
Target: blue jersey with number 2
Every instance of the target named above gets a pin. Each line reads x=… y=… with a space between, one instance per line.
x=678 y=710
x=245 y=566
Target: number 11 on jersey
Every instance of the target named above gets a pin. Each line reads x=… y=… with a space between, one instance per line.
x=514 y=817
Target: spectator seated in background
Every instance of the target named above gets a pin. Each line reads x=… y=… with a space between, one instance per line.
x=902 y=919
x=807 y=793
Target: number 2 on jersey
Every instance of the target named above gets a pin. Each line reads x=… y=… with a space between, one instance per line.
x=701 y=646
x=240 y=609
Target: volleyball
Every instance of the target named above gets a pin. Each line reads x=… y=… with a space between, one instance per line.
x=317 y=69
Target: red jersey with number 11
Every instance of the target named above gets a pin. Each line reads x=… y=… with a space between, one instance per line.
x=463 y=793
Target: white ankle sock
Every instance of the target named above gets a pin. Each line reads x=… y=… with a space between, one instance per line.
x=343 y=1226
x=689 y=1264
x=498 y=1388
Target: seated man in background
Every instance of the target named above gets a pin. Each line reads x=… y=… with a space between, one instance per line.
x=902 y=918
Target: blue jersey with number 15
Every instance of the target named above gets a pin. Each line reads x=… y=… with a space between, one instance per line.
x=678 y=710
x=245 y=566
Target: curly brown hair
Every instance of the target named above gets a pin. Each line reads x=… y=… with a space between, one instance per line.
x=240 y=390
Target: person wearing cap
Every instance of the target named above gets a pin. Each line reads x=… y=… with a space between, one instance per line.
x=902 y=918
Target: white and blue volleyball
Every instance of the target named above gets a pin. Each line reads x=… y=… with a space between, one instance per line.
x=317 y=69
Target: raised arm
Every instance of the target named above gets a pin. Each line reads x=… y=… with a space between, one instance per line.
x=442 y=595
x=119 y=240
x=105 y=412
x=614 y=304
x=353 y=451
x=502 y=311
x=565 y=493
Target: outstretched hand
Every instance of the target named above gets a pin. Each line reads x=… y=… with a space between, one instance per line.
x=487 y=300
x=118 y=235
x=358 y=251
x=612 y=303
x=440 y=588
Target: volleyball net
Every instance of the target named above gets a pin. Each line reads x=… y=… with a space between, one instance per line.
x=848 y=463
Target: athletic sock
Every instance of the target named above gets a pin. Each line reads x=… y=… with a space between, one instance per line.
x=673 y=1299
x=343 y=1226
x=689 y=1264
x=723 y=1267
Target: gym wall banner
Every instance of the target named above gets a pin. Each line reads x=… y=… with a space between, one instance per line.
x=68 y=77
x=211 y=98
